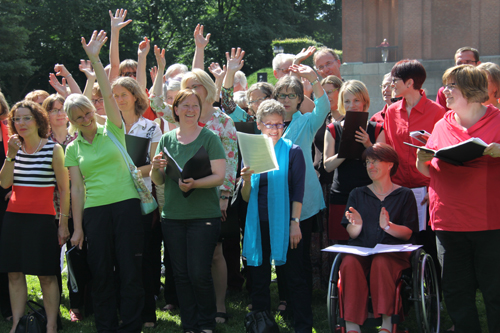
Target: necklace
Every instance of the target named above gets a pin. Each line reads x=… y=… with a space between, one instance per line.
x=382 y=194
x=39 y=144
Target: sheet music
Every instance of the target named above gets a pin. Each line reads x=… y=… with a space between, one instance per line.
x=257 y=152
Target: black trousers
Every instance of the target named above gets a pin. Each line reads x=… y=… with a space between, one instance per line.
x=114 y=235
x=4 y=278
x=150 y=266
x=293 y=276
x=470 y=260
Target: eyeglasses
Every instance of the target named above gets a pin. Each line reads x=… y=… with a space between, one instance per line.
x=82 y=118
x=466 y=62
x=256 y=100
x=371 y=162
x=450 y=86
x=129 y=74
x=284 y=70
x=284 y=96
x=328 y=64
x=24 y=119
x=329 y=92
x=56 y=111
x=97 y=101
x=395 y=79
x=277 y=126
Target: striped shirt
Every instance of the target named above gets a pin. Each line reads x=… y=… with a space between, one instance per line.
x=34 y=182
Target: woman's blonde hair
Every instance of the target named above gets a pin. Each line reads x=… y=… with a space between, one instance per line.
x=205 y=80
x=356 y=88
x=142 y=101
x=77 y=102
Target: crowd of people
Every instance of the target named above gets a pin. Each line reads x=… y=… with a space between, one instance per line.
x=66 y=179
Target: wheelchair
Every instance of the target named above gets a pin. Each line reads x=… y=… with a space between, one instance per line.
x=417 y=286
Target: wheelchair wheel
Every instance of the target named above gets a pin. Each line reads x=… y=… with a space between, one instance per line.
x=426 y=293
x=332 y=301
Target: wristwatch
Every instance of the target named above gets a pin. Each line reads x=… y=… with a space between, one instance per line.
x=387 y=227
x=223 y=197
x=295 y=219
x=8 y=159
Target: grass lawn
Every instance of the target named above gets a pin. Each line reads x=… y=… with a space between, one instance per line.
x=236 y=307
x=252 y=78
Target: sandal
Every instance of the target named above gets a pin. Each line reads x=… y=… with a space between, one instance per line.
x=222 y=315
x=169 y=307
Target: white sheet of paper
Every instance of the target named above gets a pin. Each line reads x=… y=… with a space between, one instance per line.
x=367 y=251
x=420 y=193
x=257 y=152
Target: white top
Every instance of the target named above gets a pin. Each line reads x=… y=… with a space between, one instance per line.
x=145 y=128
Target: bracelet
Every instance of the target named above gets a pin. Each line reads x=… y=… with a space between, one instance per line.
x=68 y=75
x=64 y=215
x=223 y=197
x=95 y=62
x=388 y=226
x=314 y=82
x=8 y=159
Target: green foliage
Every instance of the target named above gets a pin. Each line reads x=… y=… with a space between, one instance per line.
x=37 y=34
x=252 y=78
x=295 y=45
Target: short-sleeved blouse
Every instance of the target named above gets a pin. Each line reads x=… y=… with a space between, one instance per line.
x=106 y=175
x=402 y=209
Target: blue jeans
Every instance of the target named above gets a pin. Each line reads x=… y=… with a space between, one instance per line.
x=191 y=244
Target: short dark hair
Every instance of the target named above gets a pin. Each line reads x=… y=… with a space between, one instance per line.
x=40 y=116
x=410 y=69
x=468 y=48
x=384 y=153
x=180 y=97
x=471 y=81
x=290 y=82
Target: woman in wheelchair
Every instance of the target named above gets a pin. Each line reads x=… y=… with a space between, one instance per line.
x=380 y=213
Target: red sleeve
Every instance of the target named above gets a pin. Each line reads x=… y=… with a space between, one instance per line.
x=331 y=129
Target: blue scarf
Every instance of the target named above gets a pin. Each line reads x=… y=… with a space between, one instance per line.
x=278 y=204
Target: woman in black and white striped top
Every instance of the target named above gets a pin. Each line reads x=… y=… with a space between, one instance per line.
x=29 y=244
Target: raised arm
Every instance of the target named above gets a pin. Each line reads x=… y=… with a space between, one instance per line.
x=117 y=23
x=92 y=49
x=61 y=70
x=60 y=88
x=156 y=96
x=219 y=75
x=86 y=68
x=235 y=62
x=142 y=54
x=200 y=42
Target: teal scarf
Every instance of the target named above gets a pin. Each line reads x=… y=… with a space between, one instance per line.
x=278 y=204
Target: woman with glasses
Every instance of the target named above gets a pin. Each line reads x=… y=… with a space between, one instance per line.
x=464 y=201
x=300 y=129
x=34 y=166
x=222 y=125
x=60 y=134
x=349 y=173
x=107 y=205
x=379 y=213
x=272 y=230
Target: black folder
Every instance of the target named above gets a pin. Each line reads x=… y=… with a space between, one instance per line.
x=137 y=148
x=349 y=147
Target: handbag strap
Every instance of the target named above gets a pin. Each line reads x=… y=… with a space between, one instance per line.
x=30 y=302
x=122 y=149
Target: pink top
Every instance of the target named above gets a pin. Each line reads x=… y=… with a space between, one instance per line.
x=465 y=198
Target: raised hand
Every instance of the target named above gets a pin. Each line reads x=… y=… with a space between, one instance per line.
x=118 y=20
x=86 y=67
x=235 y=61
x=304 y=71
x=199 y=40
x=160 y=58
x=216 y=71
x=304 y=54
x=384 y=218
x=95 y=44
x=353 y=216
x=59 y=87
x=153 y=71
x=144 y=47
x=61 y=70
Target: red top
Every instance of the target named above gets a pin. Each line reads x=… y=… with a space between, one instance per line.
x=397 y=128
x=379 y=116
x=465 y=198
x=441 y=98
x=149 y=113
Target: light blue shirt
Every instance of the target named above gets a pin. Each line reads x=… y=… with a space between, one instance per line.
x=301 y=132
x=239 y=115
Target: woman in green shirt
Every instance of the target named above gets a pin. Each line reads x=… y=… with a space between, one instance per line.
x=191 y=225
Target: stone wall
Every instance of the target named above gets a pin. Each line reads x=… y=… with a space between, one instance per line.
x=372 y=75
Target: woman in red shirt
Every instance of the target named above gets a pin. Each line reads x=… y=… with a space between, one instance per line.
x=464 y=200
